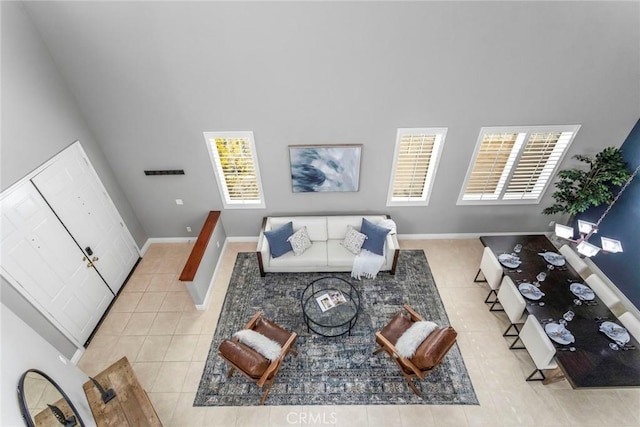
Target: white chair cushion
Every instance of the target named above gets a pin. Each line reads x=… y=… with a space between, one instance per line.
x=604 y=292
x=632 y=323
x=260 y=343
x=411 y=339
x=337 y=225
x=511 y=300
x=491 y=268
x=538 y=344
x=575 y=261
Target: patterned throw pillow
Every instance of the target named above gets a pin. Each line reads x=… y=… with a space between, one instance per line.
x=300 y=241
x=353 y=240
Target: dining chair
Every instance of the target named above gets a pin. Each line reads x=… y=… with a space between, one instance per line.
x=605 y=293
x=492 y=271
x=575 y=261
x=632 y=323
x=539 y=347
x=514 y=306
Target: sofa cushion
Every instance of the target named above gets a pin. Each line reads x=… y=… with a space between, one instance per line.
x=337 y=225
x=300 y=241
x=244 y=357
x=434 y=348
x=315 y=256
x=316 y=225
x=269 y=329
x=375 y=237
x=353 y=240
x=277 y=238
x=338 y=255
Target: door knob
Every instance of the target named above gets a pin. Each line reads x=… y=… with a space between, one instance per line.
x=95 y=258
x=84 y=258
x=89 y=264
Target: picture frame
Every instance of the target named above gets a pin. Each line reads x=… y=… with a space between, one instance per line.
x=325 y=168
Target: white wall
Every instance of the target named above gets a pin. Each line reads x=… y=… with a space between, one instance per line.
x=40 y=116
x=150 y=77
x=23 y=349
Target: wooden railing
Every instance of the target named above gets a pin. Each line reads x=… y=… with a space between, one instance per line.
x=193 y=262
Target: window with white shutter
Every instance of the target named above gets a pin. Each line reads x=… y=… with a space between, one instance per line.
x=414 y=165
x=236 y=166
x=515 y=164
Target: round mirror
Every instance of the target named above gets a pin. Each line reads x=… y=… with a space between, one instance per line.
x=43 y=403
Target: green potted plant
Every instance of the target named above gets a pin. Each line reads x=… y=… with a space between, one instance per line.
x=580 y=189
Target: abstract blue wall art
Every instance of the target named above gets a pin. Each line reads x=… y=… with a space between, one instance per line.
x=320 y=168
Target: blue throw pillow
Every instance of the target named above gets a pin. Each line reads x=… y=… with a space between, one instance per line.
x=277 y=238
x=376 y=236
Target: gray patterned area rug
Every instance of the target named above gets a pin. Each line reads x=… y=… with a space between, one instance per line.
x=340 y=370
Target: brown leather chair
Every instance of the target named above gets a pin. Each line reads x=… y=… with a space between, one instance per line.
x=428 y=355
x=252 y=364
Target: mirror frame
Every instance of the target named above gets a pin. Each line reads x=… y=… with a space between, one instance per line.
x=23 y=401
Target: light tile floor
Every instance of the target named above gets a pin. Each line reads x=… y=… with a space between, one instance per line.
x=154 y=323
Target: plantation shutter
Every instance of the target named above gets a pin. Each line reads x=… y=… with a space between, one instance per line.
x=539 y=158
x=516 y=163
x=417 y=152
x=495 y=159
x=236 y=167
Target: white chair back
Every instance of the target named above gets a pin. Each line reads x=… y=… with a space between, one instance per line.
x=575 y=261
x=632 y=323
x=491 y=268
x=538 y=344
x=604 y=292
x=511 y=300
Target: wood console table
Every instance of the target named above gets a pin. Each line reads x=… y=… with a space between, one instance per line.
x=130 y=407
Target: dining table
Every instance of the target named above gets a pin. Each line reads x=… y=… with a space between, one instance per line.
x=593 y=359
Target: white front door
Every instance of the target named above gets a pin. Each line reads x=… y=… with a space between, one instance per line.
x=49 y=269
x=75 y=193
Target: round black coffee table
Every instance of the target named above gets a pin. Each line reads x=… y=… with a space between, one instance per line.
x=338 y=318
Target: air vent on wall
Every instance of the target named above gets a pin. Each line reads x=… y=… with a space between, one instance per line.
x=165 y=172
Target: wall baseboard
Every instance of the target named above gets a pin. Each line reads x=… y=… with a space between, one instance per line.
x=152 y=240
x=207 y=297
x=77 y=355
x=242 y=239
x=442 y=236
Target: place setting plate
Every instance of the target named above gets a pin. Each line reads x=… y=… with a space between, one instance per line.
x=582 y=291
x=509 y=260
x=553 y=258
x=616 y=332
x=559 y=333
x=529 y=291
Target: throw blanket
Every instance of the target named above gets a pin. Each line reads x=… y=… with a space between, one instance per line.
x=366 y=264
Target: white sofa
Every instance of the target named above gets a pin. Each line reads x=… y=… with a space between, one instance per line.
x=326 y=253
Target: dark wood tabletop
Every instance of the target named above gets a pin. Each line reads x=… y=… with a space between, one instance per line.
x=593 y=363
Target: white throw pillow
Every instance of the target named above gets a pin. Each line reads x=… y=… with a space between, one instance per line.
x=411 y=339
x=263 y=345
x=300 y=241
x=353 y=240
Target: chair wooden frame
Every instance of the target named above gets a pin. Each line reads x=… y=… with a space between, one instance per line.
x=269 y=375
x=407 y=367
